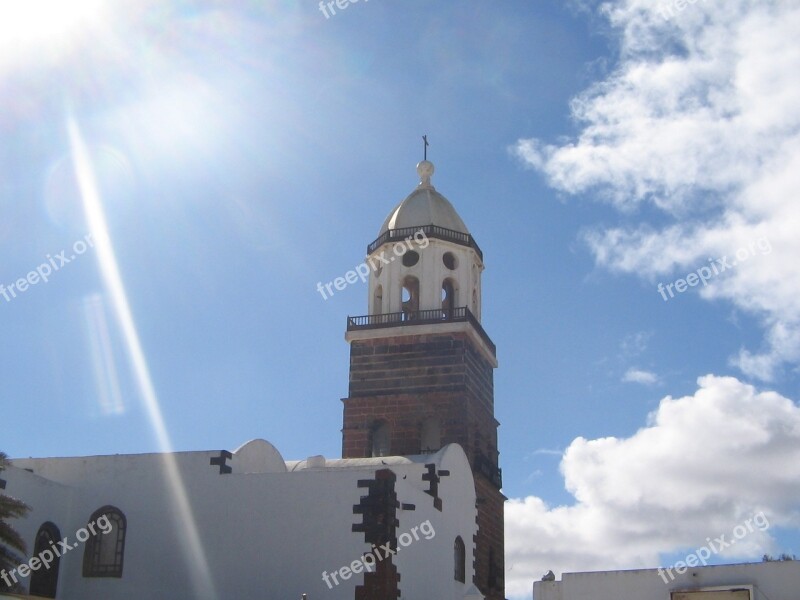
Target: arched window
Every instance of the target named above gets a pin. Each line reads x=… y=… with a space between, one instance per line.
x=44 y=582
x=410 y=297
x=377 y=304
x=380 y=439
x=448 y=298
x=430 y=436
x=105 y=549
x=460 y=560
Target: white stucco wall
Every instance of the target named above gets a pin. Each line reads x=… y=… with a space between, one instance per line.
x=267 y=532
x=431 y=273
x=770 y=581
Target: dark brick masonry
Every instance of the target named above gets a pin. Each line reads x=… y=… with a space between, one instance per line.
x=379 y=526
x=221 y=461
x=403 y=381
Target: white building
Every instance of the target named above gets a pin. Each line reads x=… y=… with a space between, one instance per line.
x=753 y=581
x=266 y=528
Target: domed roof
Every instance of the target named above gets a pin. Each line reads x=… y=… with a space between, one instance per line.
x=424 y=206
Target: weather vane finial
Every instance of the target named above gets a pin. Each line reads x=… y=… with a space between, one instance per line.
x=425 y=150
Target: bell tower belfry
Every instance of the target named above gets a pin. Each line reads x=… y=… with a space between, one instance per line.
x=421 y=365
x=450 y=268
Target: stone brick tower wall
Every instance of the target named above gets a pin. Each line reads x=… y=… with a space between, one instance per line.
x=404 y=381
x=421 y=365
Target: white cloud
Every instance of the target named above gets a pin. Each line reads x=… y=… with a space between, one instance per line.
x=703 y=464
x=633 y=375
x=635 y=344
x=549 y=452
x=701 y=119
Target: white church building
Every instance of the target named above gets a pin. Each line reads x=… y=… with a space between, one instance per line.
x=267 y=528
x=412 y=511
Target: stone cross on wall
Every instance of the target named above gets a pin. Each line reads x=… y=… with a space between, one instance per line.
x=222 y=462
x=433 y=478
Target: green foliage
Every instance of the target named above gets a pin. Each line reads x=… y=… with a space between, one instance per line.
x=11 y=543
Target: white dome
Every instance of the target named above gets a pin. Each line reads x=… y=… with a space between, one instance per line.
x=424 y=206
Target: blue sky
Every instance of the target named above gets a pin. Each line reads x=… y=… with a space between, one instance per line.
x=244 y=151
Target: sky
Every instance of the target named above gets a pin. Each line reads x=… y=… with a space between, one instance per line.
x=179 y=176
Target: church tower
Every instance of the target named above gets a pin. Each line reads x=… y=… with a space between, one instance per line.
x=421 y=365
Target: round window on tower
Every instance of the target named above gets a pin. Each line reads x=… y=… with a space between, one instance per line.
x=449 y=260
x=410 y=258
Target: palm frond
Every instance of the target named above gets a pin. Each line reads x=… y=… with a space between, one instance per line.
x=11 y=508
x=9 y=560
x=10 y=540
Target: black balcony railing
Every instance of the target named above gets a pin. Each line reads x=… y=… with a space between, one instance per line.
x=430 y=231
x=419 y=317
x=493 y=473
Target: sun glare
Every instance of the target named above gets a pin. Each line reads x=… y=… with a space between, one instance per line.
x=24 y=22
x=95 y=216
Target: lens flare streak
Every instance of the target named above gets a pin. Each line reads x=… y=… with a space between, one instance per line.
x=105 y=370
x=196 y=556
